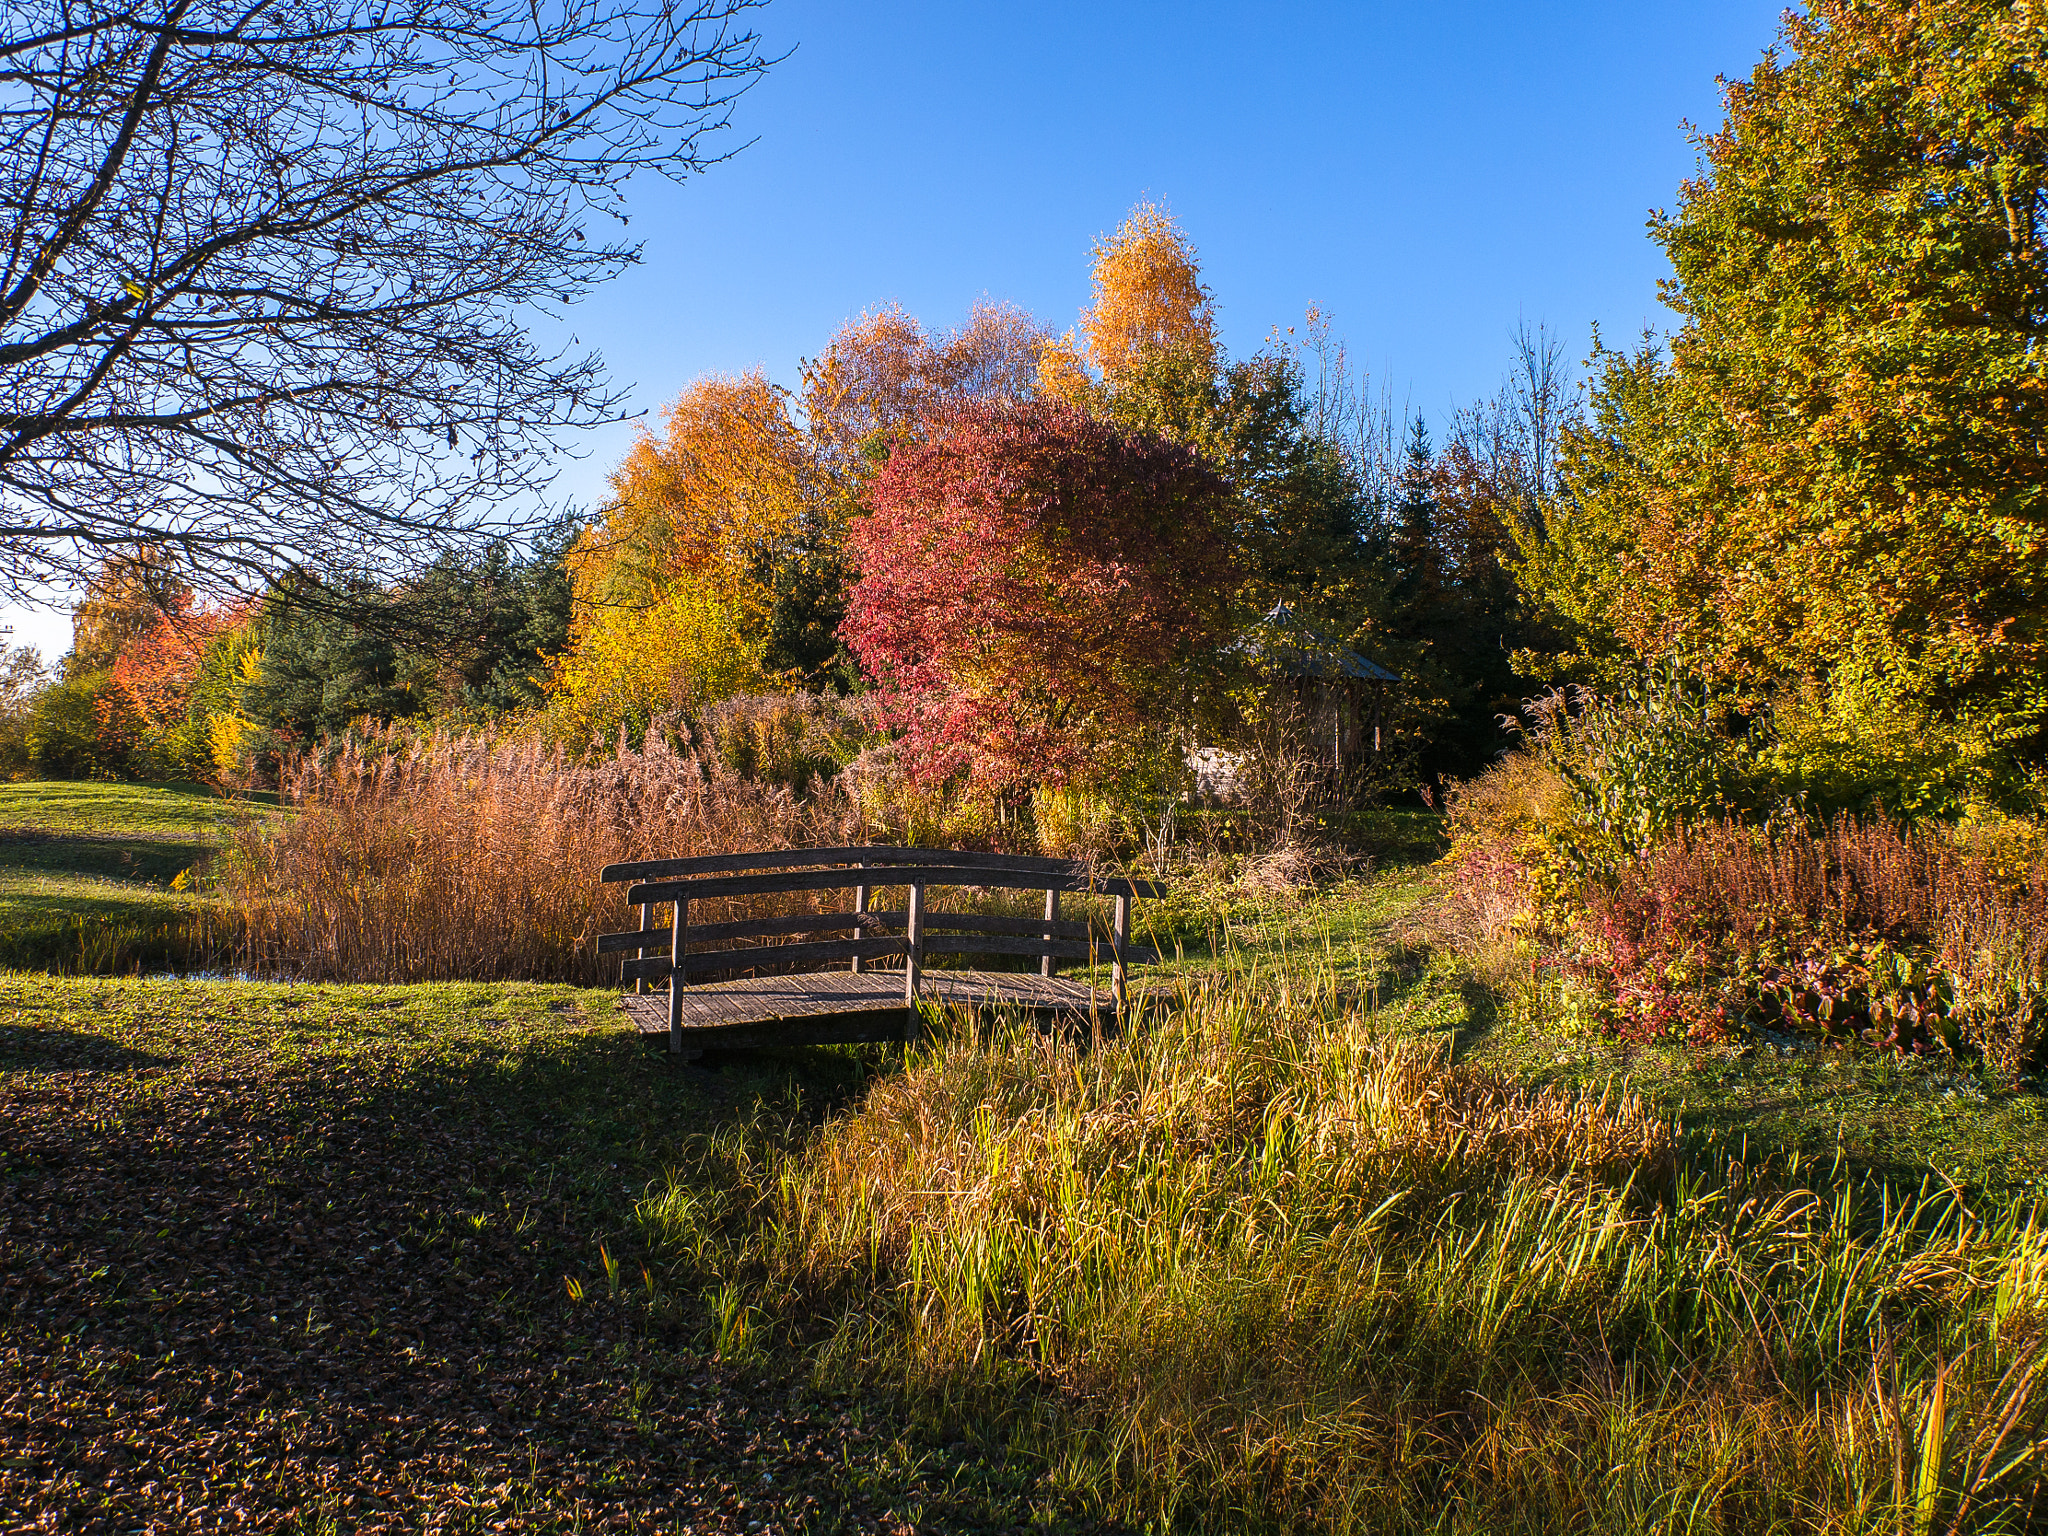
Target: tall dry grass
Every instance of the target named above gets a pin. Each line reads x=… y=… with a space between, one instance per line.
x=1255 y=1266
x=467 y=858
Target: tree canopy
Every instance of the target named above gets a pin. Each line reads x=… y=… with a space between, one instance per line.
x=1034 y=581
x=1833 y=477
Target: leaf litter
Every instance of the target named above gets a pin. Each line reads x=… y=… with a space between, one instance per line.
x=271 y=1259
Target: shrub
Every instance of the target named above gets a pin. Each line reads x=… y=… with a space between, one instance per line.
x=80 y=728
x=1635 y=763
x=1865 y=930
x=1859 y=747
x=1501 y=868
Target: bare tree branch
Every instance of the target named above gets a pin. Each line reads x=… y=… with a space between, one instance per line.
x=265 y=264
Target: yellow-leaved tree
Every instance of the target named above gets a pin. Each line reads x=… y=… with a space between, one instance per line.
x=628 y=666
x=1149 y=304
x=727 y=480
x=674 y=587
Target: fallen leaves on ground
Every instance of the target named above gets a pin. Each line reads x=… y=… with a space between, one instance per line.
x=267 y=1269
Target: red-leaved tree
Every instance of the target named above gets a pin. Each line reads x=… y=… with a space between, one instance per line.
x=1035 y=585
x=156 y=668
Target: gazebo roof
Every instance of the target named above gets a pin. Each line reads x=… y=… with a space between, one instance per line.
x=1302 y=651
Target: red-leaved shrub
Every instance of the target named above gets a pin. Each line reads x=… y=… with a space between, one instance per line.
x=1864 y=929
x=1032 y=577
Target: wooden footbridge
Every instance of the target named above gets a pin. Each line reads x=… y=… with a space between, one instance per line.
x=785 y=984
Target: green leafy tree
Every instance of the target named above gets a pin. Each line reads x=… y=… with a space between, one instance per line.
x=78 y=729
x=22 y=680
x=1833 y=478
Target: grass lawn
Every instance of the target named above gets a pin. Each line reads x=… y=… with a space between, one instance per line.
x=90 y=874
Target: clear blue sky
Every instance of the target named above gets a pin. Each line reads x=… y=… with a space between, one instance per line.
x=1426 y=173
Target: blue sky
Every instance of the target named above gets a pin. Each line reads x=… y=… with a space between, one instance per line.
x=1427 y=173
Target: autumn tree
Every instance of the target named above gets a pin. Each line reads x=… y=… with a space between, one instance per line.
x=1147 y=355
x=156 y=668
x=885 y=373
x=1833 y=477
x=1035 y=582
x=1149 y=298
x=720 y=562
x=125 y=596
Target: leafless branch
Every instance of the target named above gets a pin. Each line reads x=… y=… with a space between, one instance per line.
x=266 y=266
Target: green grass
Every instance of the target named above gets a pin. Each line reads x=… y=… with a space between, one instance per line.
x=1346 y=1240
x=1268 y=1262
x=178 y=811
x=99 y=877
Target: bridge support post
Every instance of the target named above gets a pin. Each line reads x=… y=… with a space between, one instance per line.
x=860 y=930
x=1119 y=940
x=913 y=963
x=678 y=946
x=646 y=916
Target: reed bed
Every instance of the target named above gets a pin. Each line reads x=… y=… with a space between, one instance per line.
x=1256 y=1265
x=467 y=858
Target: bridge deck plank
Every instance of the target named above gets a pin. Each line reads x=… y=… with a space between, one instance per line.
x=857 y=1005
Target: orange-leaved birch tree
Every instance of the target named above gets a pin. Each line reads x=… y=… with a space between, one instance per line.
x=1149 y=303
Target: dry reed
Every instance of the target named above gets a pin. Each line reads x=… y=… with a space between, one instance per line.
x=464 y=858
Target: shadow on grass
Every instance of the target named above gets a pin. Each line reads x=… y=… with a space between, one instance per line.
x=431 y=1252
x=24 y=1048
x=153 y=859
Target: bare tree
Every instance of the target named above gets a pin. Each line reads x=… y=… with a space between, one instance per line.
x=1343 y=411
x=1503 y=449
x=266 y=266
x=1539 y=401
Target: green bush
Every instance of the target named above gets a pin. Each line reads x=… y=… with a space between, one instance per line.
x=1636 y=764
x=1857 y=746
x=75 y=730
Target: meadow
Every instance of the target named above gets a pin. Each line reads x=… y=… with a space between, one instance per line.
x=99 y=877
x=1339 y=1236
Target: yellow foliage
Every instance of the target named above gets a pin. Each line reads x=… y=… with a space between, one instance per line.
x=1149 y=295
x=726 y=481
x=227 y=731
x=1063 y=373
x=224 y=736
x=685 y=650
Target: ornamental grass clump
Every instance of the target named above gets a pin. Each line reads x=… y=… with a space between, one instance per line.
x=1256 y=1265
